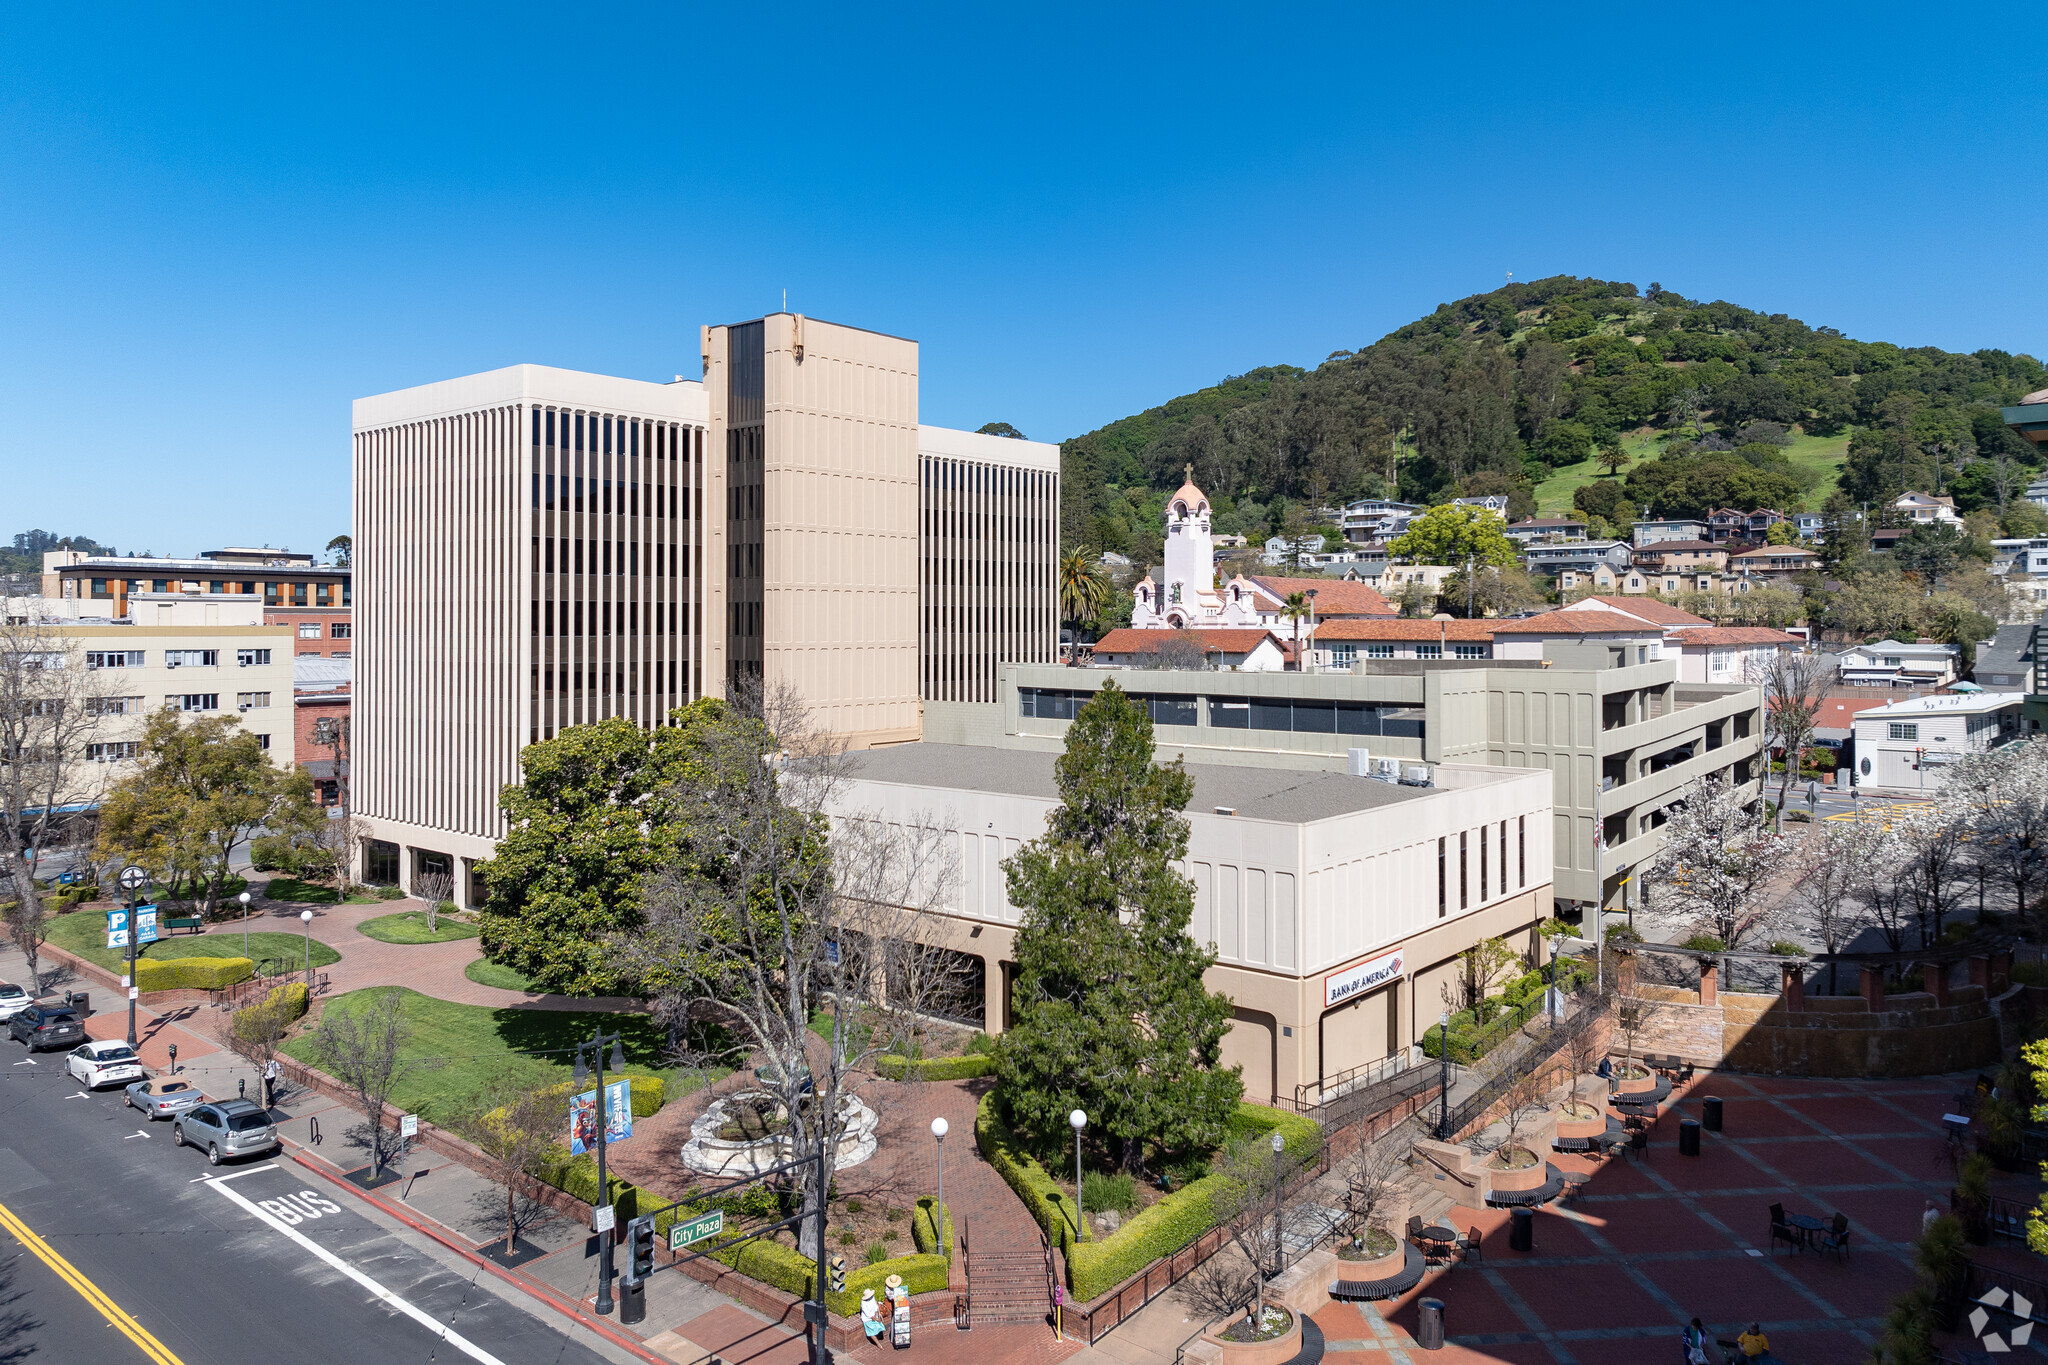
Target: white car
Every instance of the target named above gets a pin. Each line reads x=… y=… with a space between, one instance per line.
x=13 y=1000
x=104 y=1061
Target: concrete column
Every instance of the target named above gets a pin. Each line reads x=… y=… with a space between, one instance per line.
x=408 y=860
x=1625 y=972
x=1935 y=974
x=992 y=985
x=1793 y=988
x=1873 y=988
x=459 y=893
x=2001 y=973
x=1710 y=972
x=1980 y=971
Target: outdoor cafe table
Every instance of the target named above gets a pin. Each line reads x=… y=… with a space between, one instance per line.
x=1440 y=1238
x=1807 y=1224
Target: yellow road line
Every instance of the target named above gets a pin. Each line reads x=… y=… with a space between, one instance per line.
x=87 y=1290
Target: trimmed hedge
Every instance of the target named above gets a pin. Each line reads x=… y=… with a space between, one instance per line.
x=292 y=997
x=894 y=1068
x=191 y=973
x=1039 y=1191
x=1096 y=1268
x=928 y=1240
x=1477 y=1031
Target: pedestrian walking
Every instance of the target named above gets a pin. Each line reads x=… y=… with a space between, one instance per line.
x=1695 y=1339
x=270 y=1083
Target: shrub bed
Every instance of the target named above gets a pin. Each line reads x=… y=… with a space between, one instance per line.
x=932 y=1241
x=1477 y=1031
x=192 y=973
x=894 y=1068
x=292 y=997
x=1039 y=1191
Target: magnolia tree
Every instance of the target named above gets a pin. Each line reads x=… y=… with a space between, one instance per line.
x=1832 y=877
x=1794 y=685
x=2007 y=791
x=1722 y=867
x=1938 y=866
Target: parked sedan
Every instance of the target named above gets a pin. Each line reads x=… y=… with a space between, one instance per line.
x=42 y=1026
x=104 y=1061
x=226 y=1128
x=164 y=1097
x=13 y=1000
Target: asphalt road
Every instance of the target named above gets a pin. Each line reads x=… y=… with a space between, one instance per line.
x=100 y=1216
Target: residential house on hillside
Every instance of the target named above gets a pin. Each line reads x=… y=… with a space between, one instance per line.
x=1496 y=503
x=1924 y=509
x=1371 y=519
x=1395 y=577
x=2006 y=663
x=1341 y=644
x=1682 y=557
x=1727 y=654
x=1725 y=524
x=1774 y=561
x=1648 y=533
x=1584 y=555
x=1287 y=549
x=1530 y=530
x=1894 y=663
x=1810 y=527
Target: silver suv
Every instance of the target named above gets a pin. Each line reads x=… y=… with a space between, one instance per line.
x=226 y=1128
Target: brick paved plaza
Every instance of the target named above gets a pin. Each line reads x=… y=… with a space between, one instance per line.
x=1615 y=1276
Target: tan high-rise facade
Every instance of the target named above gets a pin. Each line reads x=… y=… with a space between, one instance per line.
x=539 y=548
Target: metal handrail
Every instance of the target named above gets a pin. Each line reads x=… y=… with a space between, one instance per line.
x=1180 y=1353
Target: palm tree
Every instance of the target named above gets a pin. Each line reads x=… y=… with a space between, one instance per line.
x=1612 y=458
x=1296 y=609
x=1084 y=591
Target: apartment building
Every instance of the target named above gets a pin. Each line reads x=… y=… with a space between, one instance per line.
x=544 y=548
x=195 y=657
x=277 y=578
x=1337 y=904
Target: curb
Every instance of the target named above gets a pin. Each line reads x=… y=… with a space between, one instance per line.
x=539 y=1292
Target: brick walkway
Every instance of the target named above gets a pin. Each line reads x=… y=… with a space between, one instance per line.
x=1615 y=1277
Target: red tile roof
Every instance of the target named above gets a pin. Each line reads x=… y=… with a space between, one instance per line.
x=1733 y=635
x=1563 y=622
x=1464 y=632
x=1230 y=640
x=1649 y=608
x=1334 y=596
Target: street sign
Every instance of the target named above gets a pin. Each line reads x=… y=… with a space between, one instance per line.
x=696 y=1229
x=603 y=1219
x=117 y=928
x=409 y=1126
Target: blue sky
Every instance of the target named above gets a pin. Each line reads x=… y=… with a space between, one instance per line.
x=218 y=224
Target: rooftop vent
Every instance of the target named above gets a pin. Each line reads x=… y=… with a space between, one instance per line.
x=1226 y=810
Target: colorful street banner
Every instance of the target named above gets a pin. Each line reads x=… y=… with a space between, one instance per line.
x=618 y=1104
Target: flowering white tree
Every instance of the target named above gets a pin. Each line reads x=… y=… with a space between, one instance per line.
x=1936 y=873
x=1833 y=863
x=1723 y=868
x=1794 y=686
x=2008 y=792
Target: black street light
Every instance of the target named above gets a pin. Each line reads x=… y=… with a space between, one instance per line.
x=594 y=1049
x=133 y=879
x=1443 y=1125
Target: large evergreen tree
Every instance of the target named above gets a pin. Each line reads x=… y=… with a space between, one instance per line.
x=1111 y=1013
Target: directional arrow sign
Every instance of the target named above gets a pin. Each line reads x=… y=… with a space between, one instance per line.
x=696 y=1229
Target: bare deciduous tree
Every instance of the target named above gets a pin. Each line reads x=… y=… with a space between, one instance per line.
x=1794 y=684
x=1252 y=1205
x=50 y=706
x=1526 y=1099
x=434 y=888
x=1180 y=651
x=515 y=1121
x=363 y=1048
x=788 y=910
x=1372 y=1174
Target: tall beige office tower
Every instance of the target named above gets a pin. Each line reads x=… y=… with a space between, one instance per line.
x=539 y=548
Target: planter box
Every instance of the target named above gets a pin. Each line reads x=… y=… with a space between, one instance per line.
x=1528 y=1177
x=1378 y=1268
x=1636 y=1085
x=1590 y=1127
x=1304 y=1287
x=1278 y=1351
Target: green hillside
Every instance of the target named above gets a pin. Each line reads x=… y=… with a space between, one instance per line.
x=1519 y=390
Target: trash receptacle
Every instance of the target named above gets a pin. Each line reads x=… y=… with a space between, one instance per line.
x=1710 y=1113
x=1522 y=1230
x=1429 y=1324
x=1689 y=1137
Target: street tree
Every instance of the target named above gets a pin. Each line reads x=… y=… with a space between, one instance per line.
x=789 y=913
x=1453 y=533
x=2008 y=790
x=361 y=1043
x=201 y=790
x=599 y=810
x=1721 y=864
x=49 y=707
x=1794 y=683
x=1253 y=1203
x=1111 y=1014
x=1937 y=869
x=1831 y=873
x=1492 y=590
x=516 y=1121
x=1416 y=598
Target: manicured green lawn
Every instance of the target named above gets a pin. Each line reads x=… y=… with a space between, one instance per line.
x=465 y=1046
x=85 y=933
x=1823 y=454
x=410 y=926
x=312 y=893
x=485 y=972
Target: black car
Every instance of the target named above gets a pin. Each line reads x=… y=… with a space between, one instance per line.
x=42 y=1026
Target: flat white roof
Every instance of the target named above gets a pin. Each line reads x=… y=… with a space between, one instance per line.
x=683 y=400
x=998 y=450
x=1957 y=704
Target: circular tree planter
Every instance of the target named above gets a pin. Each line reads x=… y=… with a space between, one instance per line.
x=1273 y=1350
x=1369 y=1262
x=1580 y=1121
x=706 y=1151
x=1634 y=1080
x=1516 y=1169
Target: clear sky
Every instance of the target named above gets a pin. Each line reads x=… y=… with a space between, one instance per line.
x=220 y=223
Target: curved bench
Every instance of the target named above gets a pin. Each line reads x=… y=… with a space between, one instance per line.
x=1541 y=1194
x=1389 y=1287
x=1641 y=1099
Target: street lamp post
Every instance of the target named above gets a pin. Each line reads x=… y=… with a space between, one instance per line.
x=244 y=899
x=306 y=918
x=595 y=1048
x=939 y=1214
x=1443 y=1048
x=133 y=879
x=1279 y=1177
x=1079 y=1120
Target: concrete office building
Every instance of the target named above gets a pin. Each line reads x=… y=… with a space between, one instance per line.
x=1337 y=904
x=542 y=548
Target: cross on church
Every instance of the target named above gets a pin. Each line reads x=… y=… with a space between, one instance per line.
x=1190 y=472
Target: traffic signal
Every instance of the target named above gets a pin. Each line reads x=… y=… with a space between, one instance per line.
x=640 y=1248
x=836 y=1274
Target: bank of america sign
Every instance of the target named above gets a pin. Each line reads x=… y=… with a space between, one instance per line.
x=1341 y=986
